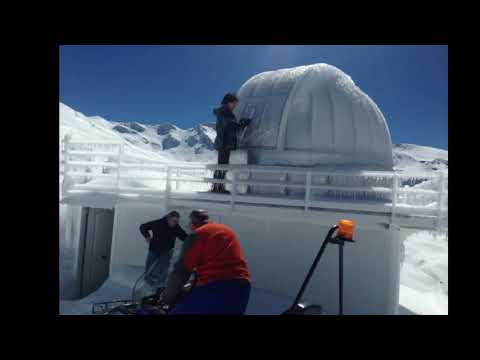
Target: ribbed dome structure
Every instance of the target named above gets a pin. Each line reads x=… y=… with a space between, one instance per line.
x=312 y=115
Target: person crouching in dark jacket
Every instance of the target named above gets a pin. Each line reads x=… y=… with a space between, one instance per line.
x=226 y=139
x=161 y=244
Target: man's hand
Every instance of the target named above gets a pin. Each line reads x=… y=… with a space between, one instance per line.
x=245 y=122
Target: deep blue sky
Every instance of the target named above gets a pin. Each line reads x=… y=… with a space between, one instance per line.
x=181 y=84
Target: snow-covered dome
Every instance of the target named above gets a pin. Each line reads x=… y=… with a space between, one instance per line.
x=312 y=115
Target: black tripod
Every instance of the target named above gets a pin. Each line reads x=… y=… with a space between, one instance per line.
x=298 y=308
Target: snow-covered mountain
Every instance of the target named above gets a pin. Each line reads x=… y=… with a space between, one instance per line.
x=196 y=144
x=164 y=139
x=422 y=158
x=186 y=143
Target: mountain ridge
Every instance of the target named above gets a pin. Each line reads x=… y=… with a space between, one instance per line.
x=197 y=143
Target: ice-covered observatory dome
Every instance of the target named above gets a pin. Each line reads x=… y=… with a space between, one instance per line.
x=312 y=115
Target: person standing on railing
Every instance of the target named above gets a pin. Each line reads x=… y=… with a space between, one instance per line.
x=222 y=282
x=226 y=140
x=161 y=244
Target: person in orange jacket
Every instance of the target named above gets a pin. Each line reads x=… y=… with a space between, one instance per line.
x=222 y=285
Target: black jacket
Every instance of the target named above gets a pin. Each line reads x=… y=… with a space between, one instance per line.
x=163 y=235
x=226 y=127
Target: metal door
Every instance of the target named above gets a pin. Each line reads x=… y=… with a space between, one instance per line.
x=97 y=248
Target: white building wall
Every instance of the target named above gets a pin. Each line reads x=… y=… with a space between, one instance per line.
x=280 y=252
x=128 y=244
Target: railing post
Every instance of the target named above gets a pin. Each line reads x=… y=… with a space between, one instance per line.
x=394 y=198
x=176 y=182
x=234 y=188
x=308 y=183
x=440 y=198
x=119 y=162
x=66 y=145
x=168 y=187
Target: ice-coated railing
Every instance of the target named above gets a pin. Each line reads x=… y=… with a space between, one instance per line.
x=111 y=167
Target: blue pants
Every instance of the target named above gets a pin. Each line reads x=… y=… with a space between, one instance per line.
x=229 y=297
x=157 y=268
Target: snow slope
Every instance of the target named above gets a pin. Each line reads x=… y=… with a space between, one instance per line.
x=166 y=141
x=424 y=276
x=419 y=158
x=82 y=127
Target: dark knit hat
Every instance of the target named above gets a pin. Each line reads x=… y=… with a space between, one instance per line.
x=173 y=214
x=198 y=216
x=228 y=98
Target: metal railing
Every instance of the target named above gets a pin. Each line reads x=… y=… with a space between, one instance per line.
x=313 y=188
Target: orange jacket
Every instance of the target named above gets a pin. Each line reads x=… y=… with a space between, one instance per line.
x=215 y=253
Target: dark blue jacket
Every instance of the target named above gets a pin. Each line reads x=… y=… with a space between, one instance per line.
x=163 y=235
x=226 y=127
